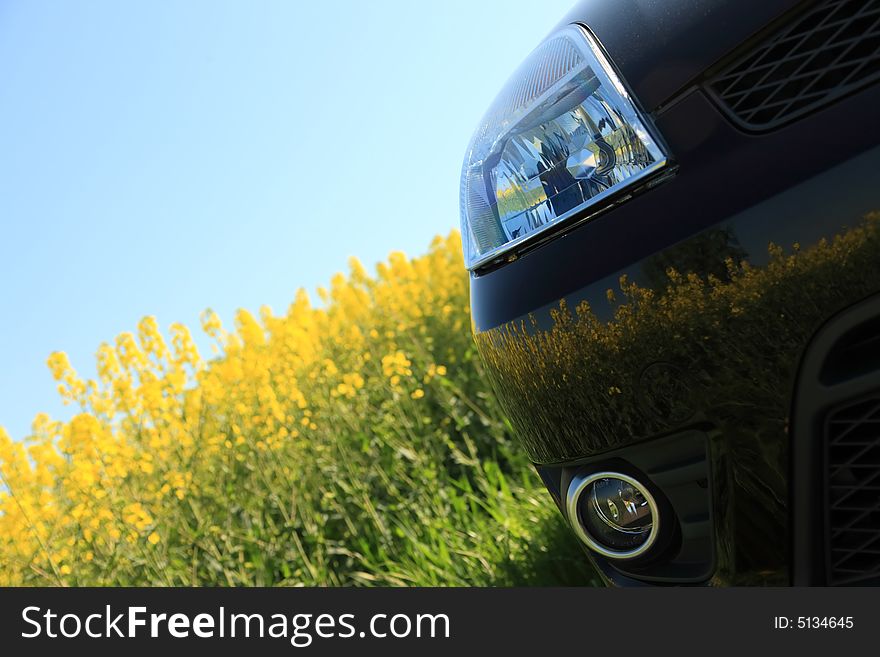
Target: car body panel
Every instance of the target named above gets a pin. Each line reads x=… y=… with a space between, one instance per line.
x=661 y=46
x=593 y=345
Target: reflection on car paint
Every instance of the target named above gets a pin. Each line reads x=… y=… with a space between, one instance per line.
x=718 y=351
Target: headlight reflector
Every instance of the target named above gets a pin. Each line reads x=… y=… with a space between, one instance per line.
x=563 y=134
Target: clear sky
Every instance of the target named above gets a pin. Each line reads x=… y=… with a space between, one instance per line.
x=164 y=157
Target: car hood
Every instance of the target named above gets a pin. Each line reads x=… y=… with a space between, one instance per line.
x=662 y=46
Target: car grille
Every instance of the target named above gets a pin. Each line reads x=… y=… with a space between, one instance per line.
x=853 y=466
x=821 y=54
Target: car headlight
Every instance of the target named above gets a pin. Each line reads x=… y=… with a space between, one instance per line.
x=562 y=136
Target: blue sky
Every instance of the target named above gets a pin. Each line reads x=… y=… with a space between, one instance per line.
x=164 y=157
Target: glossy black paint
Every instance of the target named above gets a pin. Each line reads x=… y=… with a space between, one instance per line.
x=581 y=373
x=662 y=46
x=721 y=172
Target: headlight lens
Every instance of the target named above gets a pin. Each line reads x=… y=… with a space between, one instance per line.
x=613 y=513
x=562 y=135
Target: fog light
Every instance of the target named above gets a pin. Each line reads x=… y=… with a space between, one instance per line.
x=613 y=514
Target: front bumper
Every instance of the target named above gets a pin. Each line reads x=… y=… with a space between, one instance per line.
x=598 y=352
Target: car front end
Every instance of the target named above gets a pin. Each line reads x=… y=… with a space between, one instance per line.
x=671 y=218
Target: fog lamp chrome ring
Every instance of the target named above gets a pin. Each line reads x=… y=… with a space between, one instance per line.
x=584 y=484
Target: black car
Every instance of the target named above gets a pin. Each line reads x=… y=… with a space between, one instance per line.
x=671 y=218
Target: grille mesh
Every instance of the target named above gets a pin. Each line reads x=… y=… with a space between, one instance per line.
x=853 y=461
x=825 y=52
